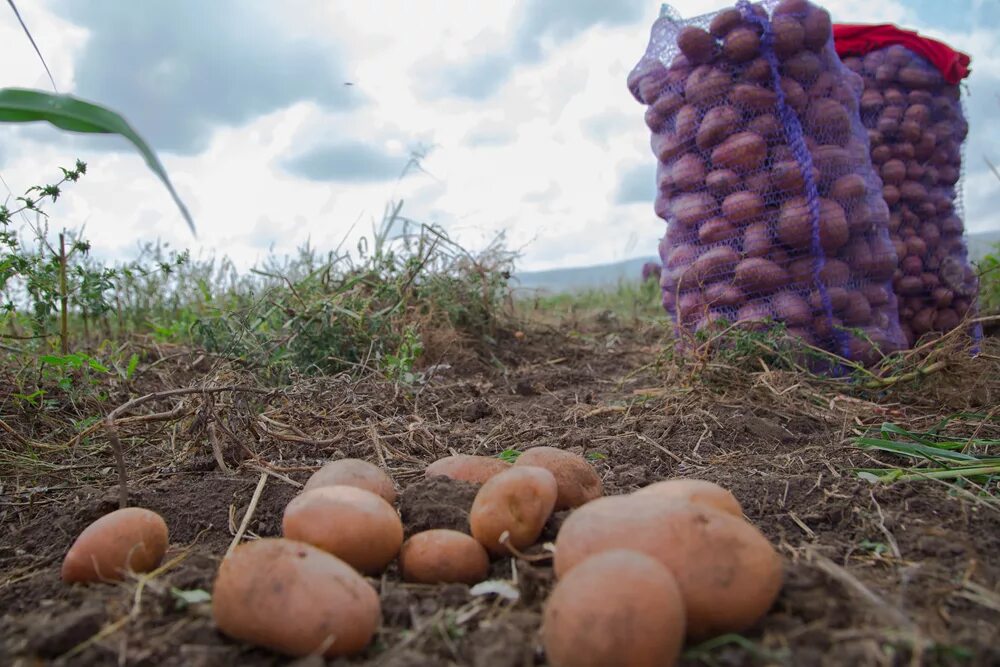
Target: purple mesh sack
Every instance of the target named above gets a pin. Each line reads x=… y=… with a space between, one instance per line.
x=773 y=209
x=916 y=129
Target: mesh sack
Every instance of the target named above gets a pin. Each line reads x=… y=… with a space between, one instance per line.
x=916 y=130
x=773 y=209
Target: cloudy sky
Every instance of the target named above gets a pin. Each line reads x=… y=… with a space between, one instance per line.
x=520 y=109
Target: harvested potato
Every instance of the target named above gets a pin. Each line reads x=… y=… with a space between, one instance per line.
x=353 y=472
x=576 y=479
x=756 y=276
x=696 y=44
x=630 y=597
x=719 y=122
x=695 y=542
x=517 y=502
x=467 y=468
x=131 y=539
x=741 y=208
x=742 y=152
x=741 y=44
x=293 y=598
x=695 y=491
x=357 y=526
x=441 y=556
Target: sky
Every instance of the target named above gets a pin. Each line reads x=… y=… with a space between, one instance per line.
x=282 y=123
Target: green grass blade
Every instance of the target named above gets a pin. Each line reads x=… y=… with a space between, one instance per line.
x=22 y=105
x=913 y=450
x=31 y=39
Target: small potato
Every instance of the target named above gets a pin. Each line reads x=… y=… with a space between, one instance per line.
x=741 y=44
x=789 y=35
x=715 y=230
x=750 y=97
x=741 y=208
x=877 y=295
x=757 y=275
x=707 y=85
x=858 y=311
x=577 y=481
x=757 y=71
x=829 y=119
x=695 y=542
x=688 y=172
x=767 y=126
x=441 y=556
x=131 y=539
x=467 y=467
x=871 y=102
x=834 y=273
x=719 y=123
x=742 y=152
x=757 y=240
x=666 y=145
x=699 y=491
x=893 y=172
x=692 y=208
x=686 y=122
x=795 y=95
x=355 y=525
x=786 y=177
x=696 y=44
x=631 y=597
x=803 y=67
x=721 y=182
x=848 y=189
x=353 y=472
x=831 y=161
x=293 y=598
x=518 y=502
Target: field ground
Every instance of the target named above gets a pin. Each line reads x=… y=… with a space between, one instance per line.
x=876 y=574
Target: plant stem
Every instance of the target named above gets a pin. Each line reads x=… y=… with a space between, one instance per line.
x=63 y=297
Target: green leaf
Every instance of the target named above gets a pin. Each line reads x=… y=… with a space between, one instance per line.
x=133 y=363
x=193 y=596
x=23 y=105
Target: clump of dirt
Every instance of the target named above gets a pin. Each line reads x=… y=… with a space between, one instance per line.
x=437 y=502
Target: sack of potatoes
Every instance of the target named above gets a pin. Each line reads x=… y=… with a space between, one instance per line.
x=911 y=106
x=774 y=211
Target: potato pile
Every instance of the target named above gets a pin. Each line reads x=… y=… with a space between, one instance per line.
x=765 y=180
x=671 y=562
x=916 y=129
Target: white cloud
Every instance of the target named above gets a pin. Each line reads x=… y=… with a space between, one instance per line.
x=546 y=157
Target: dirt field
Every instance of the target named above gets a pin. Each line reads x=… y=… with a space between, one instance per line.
x=907 y=574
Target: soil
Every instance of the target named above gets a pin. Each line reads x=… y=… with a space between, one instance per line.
x=875 y=574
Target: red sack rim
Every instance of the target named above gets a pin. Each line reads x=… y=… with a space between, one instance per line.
x=859 y=40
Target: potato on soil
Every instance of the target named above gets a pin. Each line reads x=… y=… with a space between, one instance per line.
x=293 y=598
x=357 y=526
x=353 y=472
x=728 y=573
x=517 y=501
x=129 y=539
x=466 y=468
x=618 y=607
x=441 y=556
x=695 y=491
x=576 y=479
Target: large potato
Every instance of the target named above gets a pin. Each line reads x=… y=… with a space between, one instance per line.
x=517 y=502
x=131 y=539
x=354 y=472
x=576 y=479
x=467 y=468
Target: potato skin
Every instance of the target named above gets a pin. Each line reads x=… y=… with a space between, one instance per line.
x=631 y=597
x=576 y=479
x=354 y=472
x=131 y=538
x=466 y=468
x=441 y=556
x=357 y=526
x=742 y=152
x=696 y=44
x=757 y=275
x=695 y=491
x=292 y=598
x=518 y=501
x=695 y=542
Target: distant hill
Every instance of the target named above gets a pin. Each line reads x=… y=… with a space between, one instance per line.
x=603 y=276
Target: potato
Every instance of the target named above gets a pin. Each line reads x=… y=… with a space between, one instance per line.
x=786 y=177
x=696 y=44
x=715 y=230
x=831 y=161
x=751 y=97
x=131 y=539
x=692 y=208
x=690 y=307
x=576 y=479
x=293 y=598
x=688 y=172
x=803 y=67
x=695 y=491
x=829 y=119
x=791 y=309
x=818 y=29
x=353 y=524
x=893 y=172
x=757 y=275
x=517 y=502
x=353 y=472
x=442 y=556
x=757 y=240
x=858 y=311
x=724 y=21
x=795 y=95
x=754 y=315
x=741 y=208
x=706 y=85
x=721 y=182
x=742 y=152
x=720 y=294
x=667 y=145
x=834 y=273
x=719 y=123
x=467 y=468
x=795 y=224
x=712 y=265
x=848 y=189
x=877 y=295
x=909 y=286
x=741 y=44
x=797 y=8
x=789 y=35
x=767 y=126
x=836 y=296
x=686 y=123
x=757 y=70
x=631 y=597
x=695 y=542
